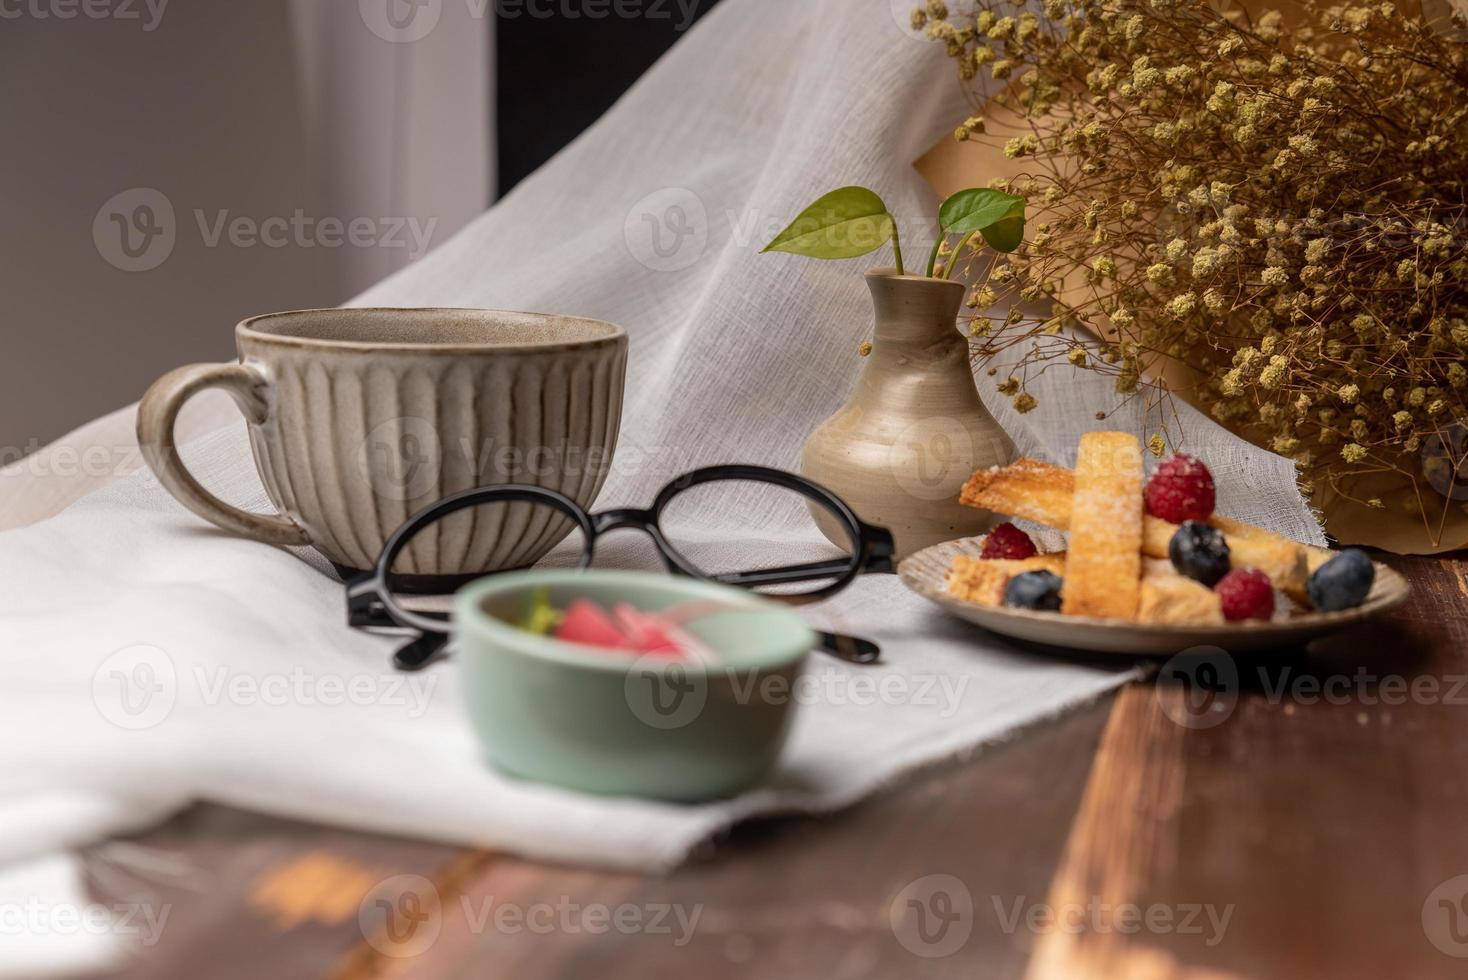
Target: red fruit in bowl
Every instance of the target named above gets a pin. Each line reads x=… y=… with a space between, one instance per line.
x=1180 y=490
x=1007 y=541
x=586 y=622
x=1245 y=593
x=647 y=632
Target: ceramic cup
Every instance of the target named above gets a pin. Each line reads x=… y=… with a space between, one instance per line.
x=358 y=418
x=611 y=722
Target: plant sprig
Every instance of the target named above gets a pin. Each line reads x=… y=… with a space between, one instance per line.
x=853 y=221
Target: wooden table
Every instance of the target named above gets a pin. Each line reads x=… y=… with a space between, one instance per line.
x=1306 y=819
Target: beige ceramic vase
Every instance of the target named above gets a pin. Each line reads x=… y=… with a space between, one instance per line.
x=914 y=429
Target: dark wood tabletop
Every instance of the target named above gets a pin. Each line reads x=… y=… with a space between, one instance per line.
x=1297 y=814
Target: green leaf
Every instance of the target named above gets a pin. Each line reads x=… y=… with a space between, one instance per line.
x=540 y=616
x=843 y=224
x=998 y=216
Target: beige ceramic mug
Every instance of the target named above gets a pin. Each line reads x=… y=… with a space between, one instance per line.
x=358 y=418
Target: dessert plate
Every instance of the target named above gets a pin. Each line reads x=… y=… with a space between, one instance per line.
x=926 y=573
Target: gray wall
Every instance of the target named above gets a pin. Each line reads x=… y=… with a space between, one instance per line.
x=207 y=108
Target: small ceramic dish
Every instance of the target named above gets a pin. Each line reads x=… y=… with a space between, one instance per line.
x=926 y=573
x=613 y=722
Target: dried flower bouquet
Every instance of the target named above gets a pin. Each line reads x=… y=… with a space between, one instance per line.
x=1279 y=204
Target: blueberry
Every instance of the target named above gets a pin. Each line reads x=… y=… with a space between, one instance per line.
x=1343 y=582
x=1199 y=552
x=1034 y=590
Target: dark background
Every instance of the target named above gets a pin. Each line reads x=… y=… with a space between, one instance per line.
x=558 y=75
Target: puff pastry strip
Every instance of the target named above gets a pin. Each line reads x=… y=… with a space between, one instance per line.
x=1041 y=492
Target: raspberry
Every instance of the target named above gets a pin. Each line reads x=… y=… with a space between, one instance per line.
x=1007 y=541
x=1245 y=593
x=1181 y=490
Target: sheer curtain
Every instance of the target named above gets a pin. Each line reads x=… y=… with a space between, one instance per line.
x=398 y=125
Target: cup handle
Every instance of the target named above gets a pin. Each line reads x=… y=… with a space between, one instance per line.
x=158 y=412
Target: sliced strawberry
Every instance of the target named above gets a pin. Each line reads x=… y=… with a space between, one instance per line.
x=648 y=632
x=587 y=623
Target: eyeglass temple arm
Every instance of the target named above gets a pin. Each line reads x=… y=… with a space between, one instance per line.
x=878 y=559
x=788 y=573
x=365 y=610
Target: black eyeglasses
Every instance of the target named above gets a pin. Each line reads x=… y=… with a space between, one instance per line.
x=372 y=602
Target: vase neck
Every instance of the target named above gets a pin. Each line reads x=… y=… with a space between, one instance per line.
x=914 y=312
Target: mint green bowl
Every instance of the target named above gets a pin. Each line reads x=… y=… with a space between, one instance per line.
x=611 y=722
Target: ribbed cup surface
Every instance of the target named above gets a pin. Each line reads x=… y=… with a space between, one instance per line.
x=357 y=442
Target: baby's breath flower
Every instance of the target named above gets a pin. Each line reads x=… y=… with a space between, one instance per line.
x=1025 y=402
x=1319 y=283
x=1304 y=145
x=1157 y=445
x=1182 y=304
x=1273 y=374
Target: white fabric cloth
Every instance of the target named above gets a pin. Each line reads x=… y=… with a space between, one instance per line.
x=150 y=660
